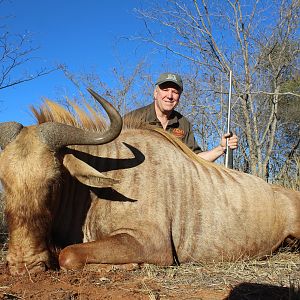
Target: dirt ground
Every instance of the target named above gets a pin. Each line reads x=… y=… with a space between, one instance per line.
x=93 y=285
x=114 y=284
x=268 y=279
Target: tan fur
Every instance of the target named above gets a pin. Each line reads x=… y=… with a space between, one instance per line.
x=144 y=197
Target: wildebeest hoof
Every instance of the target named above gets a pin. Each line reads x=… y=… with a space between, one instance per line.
x=22 y=269
x=68 y=260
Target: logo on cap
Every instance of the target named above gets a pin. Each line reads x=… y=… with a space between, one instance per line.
x=171 y=77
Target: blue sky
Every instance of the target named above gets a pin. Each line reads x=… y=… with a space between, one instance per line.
x=81 y=34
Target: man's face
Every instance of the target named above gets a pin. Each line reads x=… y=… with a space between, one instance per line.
x=166 y=97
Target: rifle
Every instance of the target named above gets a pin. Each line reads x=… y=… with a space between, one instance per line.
x=229 y=152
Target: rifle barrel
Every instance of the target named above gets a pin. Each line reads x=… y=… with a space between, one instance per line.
x=229 y=154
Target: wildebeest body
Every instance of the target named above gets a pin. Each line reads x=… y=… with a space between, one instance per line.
x=207 y=212
x=143 y=197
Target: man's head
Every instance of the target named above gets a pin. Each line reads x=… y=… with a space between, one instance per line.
x=167 y=92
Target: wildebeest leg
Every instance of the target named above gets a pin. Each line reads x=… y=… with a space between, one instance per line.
x=117 y=249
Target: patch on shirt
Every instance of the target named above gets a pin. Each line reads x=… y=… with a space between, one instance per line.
x=178 y=132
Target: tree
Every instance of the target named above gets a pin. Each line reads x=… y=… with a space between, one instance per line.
x=125 y=93
x=289 y=130
x=15 y=52
x=258 y=41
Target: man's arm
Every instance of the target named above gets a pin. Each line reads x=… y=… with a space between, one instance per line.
x=215 y=153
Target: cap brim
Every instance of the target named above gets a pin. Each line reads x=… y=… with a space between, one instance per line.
x=164 y=81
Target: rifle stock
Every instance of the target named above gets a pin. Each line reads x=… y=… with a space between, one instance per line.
x=229 y=158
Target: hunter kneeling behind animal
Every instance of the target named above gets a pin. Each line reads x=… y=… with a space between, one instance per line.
x=162 y=113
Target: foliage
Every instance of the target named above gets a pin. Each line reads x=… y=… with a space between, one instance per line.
x=258 y=41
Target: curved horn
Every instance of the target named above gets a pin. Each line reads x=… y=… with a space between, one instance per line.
x=57 y=135
x=8 y=132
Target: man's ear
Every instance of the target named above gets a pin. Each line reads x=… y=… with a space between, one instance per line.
x=87 y=174
x=155 y=92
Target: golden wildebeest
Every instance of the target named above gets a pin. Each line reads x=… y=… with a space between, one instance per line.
x=141 y=196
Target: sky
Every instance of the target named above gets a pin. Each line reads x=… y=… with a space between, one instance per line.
x=80 y=34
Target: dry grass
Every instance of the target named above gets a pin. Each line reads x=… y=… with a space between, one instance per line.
x=281 y=269
x=277 y=277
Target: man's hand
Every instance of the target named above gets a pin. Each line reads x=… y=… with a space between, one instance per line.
x=215 y=153
x=232 y=141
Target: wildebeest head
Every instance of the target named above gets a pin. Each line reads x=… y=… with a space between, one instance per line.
x=30 y=168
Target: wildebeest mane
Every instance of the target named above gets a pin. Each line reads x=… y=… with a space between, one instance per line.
x=71 y=114
x=86 y=118
x=90 y=119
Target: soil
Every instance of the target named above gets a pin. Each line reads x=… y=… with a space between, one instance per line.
x=276 y=278
x=147 y=282
x=103 y=284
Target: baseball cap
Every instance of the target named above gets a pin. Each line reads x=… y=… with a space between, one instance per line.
x=170 y=77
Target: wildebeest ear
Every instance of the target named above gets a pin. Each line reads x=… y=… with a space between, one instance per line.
x=86 y=174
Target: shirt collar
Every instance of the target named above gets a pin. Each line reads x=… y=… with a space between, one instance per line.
x=152 y=118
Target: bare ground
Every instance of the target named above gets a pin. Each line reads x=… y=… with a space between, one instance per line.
x=277 y=277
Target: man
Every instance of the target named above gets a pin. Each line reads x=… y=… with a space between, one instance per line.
x=162 y=113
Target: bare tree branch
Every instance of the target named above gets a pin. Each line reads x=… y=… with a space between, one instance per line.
x=16 y=53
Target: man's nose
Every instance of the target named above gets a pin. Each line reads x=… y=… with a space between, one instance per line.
x=170 y=95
